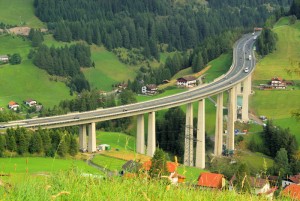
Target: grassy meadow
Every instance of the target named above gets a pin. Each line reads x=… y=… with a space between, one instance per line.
x=23 y=81
x=278 y=104
x=108 y=70
x=43 y=165
x=20 y=13
x=73 y=186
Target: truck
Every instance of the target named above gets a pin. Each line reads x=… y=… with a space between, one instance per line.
x=250 y=57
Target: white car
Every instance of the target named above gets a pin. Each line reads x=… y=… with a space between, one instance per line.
x=246 y=70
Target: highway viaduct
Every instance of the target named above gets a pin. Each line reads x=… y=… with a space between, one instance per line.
x=232 y=82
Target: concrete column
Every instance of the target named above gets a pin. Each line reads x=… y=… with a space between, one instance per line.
x=92 y=137
x=246 y=92
x=82 y=137
x=151 y=134
x=239 y=88
x=188 y=145
x=219 y=126
x=200 y=149
x=140 y=136
x=231 y=118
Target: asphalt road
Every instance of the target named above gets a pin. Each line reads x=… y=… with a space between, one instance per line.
x=243 y=48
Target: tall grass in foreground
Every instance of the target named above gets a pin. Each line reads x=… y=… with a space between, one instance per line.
x=72 y=186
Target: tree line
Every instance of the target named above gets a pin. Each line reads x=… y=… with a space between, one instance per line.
x=281 y=145
x=41 y=142
x=65 y=61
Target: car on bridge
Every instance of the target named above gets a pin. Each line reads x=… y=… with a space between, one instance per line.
x=246 y=70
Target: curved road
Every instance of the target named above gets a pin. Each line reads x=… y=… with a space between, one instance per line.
x=236 y=74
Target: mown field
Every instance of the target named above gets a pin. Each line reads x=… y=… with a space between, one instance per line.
x=19 y=12
x=278 y=104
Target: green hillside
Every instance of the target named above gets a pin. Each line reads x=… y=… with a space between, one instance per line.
x=108 y=70
x=23 y=81
x=19 y=12
x=278 y=104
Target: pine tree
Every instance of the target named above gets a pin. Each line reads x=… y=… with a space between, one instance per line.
x=73 y=146
x=22 y=146
x=11 y=143
x=36 y=143
x=159 y=164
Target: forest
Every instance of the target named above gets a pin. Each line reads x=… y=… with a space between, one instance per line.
x=65 y=61
x=144 y=24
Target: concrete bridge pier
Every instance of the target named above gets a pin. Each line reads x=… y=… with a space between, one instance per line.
x=82 y=137
x=200 y=148
x=188 y=142
x=232 y=105
x=219 y=126
x=92 y=137
x=246 y=93
x=151 y=144
x=239 y=88
x=140 y=136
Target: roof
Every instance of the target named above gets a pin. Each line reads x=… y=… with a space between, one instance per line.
x=212 y=180
x=12 y=103
x=151 y=86
x=187 y=78
x=131 y=166
x=29 y=100
x=3 y=56
x=257 y=182
x=292 y=191
x=295 y=178
x=171 y=166
x=277 y=79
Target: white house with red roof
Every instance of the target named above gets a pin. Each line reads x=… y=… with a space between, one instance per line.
x=30 y=102
x=278 y=83
x=13 y=105
x=187 y=81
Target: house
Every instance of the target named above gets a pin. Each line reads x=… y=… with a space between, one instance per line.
x=292 y=191
x=4 y=58
x=211 y=180
x=258 y=186
x=13 y=105
x=131 y=166
x=174 y=177
x=278 y=83
x=293 y=179
x=30 y=102
x=187 y=81
x=103 y=147
x=149 y=89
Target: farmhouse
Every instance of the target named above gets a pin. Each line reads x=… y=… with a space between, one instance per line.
x=293 y=179
x=211 y=180
x=174 y=177
x=188 y=81
x=278 y=83
x=149 y=89
x=13 y=105
x=4 y=58
x=30 y=102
